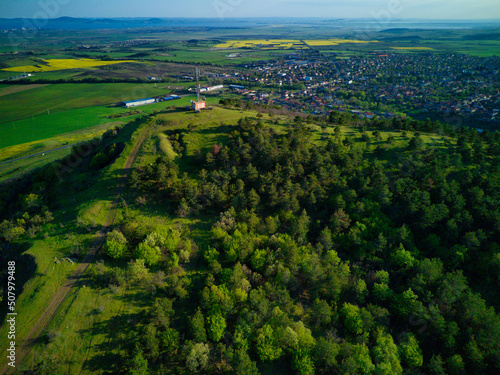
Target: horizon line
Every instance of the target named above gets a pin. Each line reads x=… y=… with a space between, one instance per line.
x=264 y=17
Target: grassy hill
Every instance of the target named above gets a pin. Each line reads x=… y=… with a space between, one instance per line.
x=116 y=303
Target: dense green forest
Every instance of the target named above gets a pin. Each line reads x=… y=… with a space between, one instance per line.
x=323 y=255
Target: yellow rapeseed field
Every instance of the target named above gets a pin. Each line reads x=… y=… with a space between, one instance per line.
x=286 y=43
x=61 y=64
x=315 y=43
x=263 y=43
x=340 y=41
x=334 y=42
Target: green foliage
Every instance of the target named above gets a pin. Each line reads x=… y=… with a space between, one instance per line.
x=137 y=271
x=302 y=363
x=217 y=298
x=410 y=352
x=382 y=276
x=216 y=326
x=266 y=344
x=436 y=365
x=455 y=365
x=305 y=340
x=12 y=233
x=385 y=355
x=197 y=359
x=357 y=360
x=325 y=239
x=382 y=292
x=325 y=354
x=242 y=364
x=198 y=327
x=116 y=244
x=258 y=259
x=138 y=364
x=352 y=318
x=405 y=303
x=416 y=143
x=313 y=250
x=403 y=258
x=322 y=312
x=151 y=255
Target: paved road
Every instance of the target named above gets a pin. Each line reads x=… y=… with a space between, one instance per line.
x=37 y=154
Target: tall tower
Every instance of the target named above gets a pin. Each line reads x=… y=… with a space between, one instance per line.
x=198 y=104
x=198 y=84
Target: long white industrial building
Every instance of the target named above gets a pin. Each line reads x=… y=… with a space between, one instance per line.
x=136 y=103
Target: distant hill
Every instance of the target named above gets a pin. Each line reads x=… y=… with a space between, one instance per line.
x=396 y=31
x=403 y=38
x=67 y=19
x=489 y=36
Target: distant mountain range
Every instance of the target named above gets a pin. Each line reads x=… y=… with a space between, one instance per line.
x=123 y=23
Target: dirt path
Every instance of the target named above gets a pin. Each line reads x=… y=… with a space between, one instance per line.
x=43 y=321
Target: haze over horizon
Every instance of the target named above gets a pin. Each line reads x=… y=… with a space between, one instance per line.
x=394 y=9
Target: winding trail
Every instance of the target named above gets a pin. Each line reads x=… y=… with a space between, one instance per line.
x=60 y=295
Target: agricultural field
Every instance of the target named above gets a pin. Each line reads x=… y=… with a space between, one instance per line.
x=19 y=168
x=218 y=57
x=287 y=44
x=63 y=64
x=262 y=43
x=413 y=48
x=335 y=42
x=51 y=125
x=49 y=99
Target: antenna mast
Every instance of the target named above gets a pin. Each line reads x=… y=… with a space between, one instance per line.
x=197 y=84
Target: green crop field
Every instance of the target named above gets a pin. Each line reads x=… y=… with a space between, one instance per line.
x=48 y=126
x=219 y=57
x=62 y=97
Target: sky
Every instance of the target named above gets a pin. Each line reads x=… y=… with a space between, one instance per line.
x=376 y=9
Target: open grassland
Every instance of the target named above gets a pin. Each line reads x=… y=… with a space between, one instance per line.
x=165 y=146
x=85 y=326
x=63 y=64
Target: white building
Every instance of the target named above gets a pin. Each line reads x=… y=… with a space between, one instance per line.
x=136 y=103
